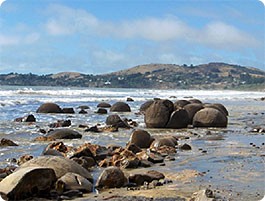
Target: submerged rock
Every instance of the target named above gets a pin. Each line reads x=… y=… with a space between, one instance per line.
x=28 y=181
x=64 y=134
x=120 y=107
x=7 y=142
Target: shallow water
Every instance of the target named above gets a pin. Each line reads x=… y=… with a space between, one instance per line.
x=231 y=166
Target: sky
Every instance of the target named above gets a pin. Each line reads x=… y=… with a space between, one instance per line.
x=102 y=36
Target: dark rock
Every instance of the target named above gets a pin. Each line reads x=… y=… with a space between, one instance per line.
x=185 y=147
x=52 y=152
x=73 y=181
x=145 y=105
x=104 y=105
x=60 y=165
x=120 y=107
x=111 y=177
x=178 y=119
x=145 y=163
x=101 y=111
x=28 y=181
x=49 y=108
x=82 y=111
x=44 y=139
x=93 y=129
x=69 y=110
x=155 y=158
x=133 y=147
x=141 y=138
x=197 y=101
x=64 y=134
x=150 y=176
x=61 y=123
x=209 y=117
x=158 y=113
x=129 y=99
x=82 y=151
x=165 y=141
x=218 y=106
x=130 y=163
x=83 y=107
x=180 y=104
x=7 y=142
x=115 y=121
x=192 y=109
x=29 y=118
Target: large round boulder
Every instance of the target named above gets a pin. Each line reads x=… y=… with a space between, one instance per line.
x=178 y=119
x=141 y=138
x=165 y=141
x=158 y=113
x=104 y=105
x=60 y=165
x=181 y=103
x=209 y=117
x=28 y=181
x=120 y=107
x=115 y=121
x=64 y=134
x=192 y=109
x=218 y=106
x=145 y=105
x=49 y=108
x=111 y=177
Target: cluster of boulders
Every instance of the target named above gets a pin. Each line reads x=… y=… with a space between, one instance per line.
x=182 y=113
x=63 y=171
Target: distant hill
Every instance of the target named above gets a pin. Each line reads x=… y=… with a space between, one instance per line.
x=160 y=76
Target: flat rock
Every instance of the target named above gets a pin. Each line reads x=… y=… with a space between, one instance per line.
x=64 y=134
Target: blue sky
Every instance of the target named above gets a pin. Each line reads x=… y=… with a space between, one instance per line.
x=101 y=36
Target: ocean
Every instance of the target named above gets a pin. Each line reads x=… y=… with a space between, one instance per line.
x=233 y=164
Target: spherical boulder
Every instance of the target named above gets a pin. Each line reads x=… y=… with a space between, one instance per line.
x=165 y=141
x=104 y=105
x=49 y=108
x=145 y=105
x=141 y=138
x=192 y=109
x=111 y=177
x=158 y=114
x=181 y=103
x=178 y=119
x=60 y=165
x=120 y=107
x=26 y=182
x=218 y=106
x=209 y=117
x=116 y=121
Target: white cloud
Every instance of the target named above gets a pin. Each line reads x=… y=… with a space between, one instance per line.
x=67 y=21
x=6 y=40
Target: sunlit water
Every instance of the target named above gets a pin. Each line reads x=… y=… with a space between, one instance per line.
x=231 y=164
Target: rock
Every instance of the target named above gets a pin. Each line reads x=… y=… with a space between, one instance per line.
x=69 y=110
x=44 y=139
x=120 y=107
x=185 y=147
x=150 y=176
x=61 y=123
x=64 y=134
x=29 y=118
x=133 y=148
x=197 y=101
x=82 y=151
x=155 y=158
x=24 y=158
x=217 y=106
x=28 y=181
x=180 y=103
x=158 y=113
x=203 y=195
x=57 y=146
x=49 y=108
x=93 y=129
x=85 y=162
x=60 y=165
x=165 y=141
x=192 y=109
x=141 y=138
x=130 y=163
x=104 y=105
x=115 y=121
x=101 y=111
x=7 y=142
x=145 y=105
x=129 y=99
x=111 y=177
x=52 y=152
x=82 y=111
x=178 y=119
x=209 y=117
x=73 y=181
x=83 y=107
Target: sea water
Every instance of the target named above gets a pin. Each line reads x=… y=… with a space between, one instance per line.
x=232 y=163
